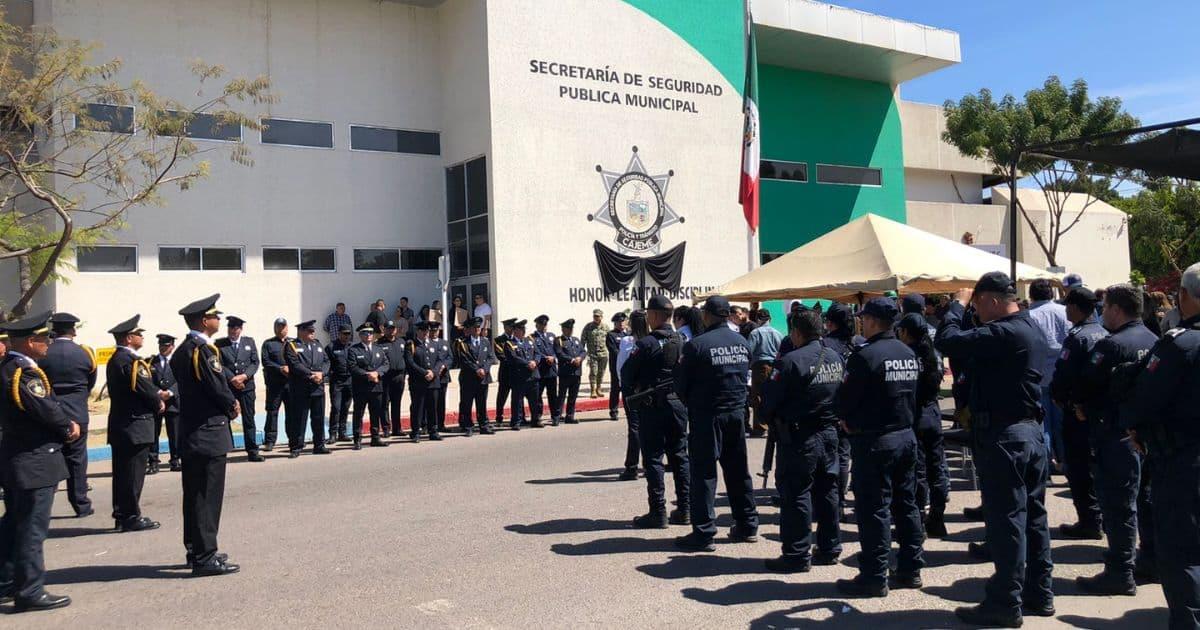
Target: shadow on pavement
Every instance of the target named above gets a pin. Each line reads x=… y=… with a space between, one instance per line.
x=703 y=565
x=606 y=546
x=75 y=532
x=970 y=534
x=948 y=557
x=970 y=590
x=842 y=615
x=116 y=573
x=1142 y=618
x=570 y=526
x=1078 y=554
x=760 y=591
x=587 y=476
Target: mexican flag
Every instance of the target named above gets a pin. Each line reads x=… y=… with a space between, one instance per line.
x=751 y=142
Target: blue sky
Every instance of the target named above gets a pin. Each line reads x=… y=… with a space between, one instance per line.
x=1145 y=52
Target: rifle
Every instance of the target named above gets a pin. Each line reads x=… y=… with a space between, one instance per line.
x=638 y=396
x=768 y=457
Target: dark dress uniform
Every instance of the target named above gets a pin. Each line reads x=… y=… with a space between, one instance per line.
x=1004 y=394
x=1122 y=490
x=393 y=394
x=568 y=348
x=798 y=404
x=845 y=344
x=130 y=432
x=710 y=379
x=35 y=428
x=386 y=429
x=547 y=378
x=278 y=394
x=1165 y=412
x=1076 y=351
x=877 y=401
x=241 y=357
x=206 y=405
x=612 y=341
x=341 y=392
x=518 y=354
x=423 y=358
x=365 y=359
x=662 y=423
x=445 y=361
x=503 y=382
x=473 y=353
x=308 y=397
x=71 y=368
x=164 y=380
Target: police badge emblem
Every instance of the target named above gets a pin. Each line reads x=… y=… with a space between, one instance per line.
x=215 y=363
x=37 y=389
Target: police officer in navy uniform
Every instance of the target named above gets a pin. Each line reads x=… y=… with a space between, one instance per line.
x=275 y=373
x=393 y=388
x=445 y=361
x=206 y=406
x=521 y=357
x=876 y=403
x=368 y=368
x=710 y=379
x=612 y=342
x=1004 y=397
x=135 y=400
x=35 y=428
x=547 y=377
x=239 y=357
x=423 y=383
x=1164 y=420
x=341 y=391
x=307 y=367
x=71 y=367
x=798 y=404
x=933 y=477
x=840 y=337
x=475 y=360
x=571 y=357
x=1121 y=487
x=662 y=417
x=164 y=379
x=503 y=384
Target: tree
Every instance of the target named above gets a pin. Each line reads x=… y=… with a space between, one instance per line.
x=1164 y=227
x=982 y=127
x=70 y=172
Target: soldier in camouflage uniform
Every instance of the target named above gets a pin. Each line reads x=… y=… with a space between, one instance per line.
x=593 y=338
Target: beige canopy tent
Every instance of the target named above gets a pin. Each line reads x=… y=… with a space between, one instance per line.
x=869 y=256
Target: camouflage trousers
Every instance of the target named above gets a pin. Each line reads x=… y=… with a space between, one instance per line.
x=597 y=363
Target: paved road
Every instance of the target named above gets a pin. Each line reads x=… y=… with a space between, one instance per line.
x=511 y=531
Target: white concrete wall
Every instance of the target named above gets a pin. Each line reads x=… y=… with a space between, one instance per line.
x=942 y=186
x=921 y=131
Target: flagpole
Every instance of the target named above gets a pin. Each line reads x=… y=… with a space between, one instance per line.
x=752 y=254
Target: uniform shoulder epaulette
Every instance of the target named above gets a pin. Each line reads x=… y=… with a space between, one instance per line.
x=292 y=344
x=91 y=354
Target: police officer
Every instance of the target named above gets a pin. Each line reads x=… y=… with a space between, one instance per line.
x=475 y=360
x=547 y=377
x=710 y=379
x=423 y=383
x=1004 y=397
x=164 y=379
x=1117 y=469
x=341 y=391
x=612 y=343
x=239 y=357
x=71 y=367
x=135 y=399
x=275 y=373
x=307 y=367
x=503 y=386
x=593 y=338
x=840 y=337
x=662 y=416
x=877 y=403
x=1076 y=350
x=571 y=356
x=206 y=405
x=798 y=405
x=522 y=360
x=933 y=478
x=35 y=428
x=445 y=360
x=394 y=348
x=368 y=368
x=1164 y=417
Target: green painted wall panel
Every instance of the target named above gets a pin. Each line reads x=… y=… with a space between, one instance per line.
x=715 y=28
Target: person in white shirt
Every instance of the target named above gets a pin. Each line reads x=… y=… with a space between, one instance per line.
x=1050 y=318
x=483 y=311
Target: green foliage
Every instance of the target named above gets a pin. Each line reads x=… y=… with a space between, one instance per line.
x=1164 y=227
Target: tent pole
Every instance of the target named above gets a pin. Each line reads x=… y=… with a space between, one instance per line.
x=1012 y=212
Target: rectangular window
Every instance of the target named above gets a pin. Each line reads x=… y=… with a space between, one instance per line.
x=111 y=118
x=420 y=259
x=200 y=258
x=317 y=260
x=297 y=133
x=456 y=193
x=456 y=234
x=477 y=202
x=376 y=260
x=207 y=127
x=395 y=140
x=477 y=243
x=786 y=171
x=850 y=175
x=302 y=259
x=106 y=258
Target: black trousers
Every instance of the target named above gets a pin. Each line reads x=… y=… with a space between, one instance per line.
x=933 y=476
x=171 y=419
x=843 y=467
x=277 y=395
x=633 y=447
x=522 y=392
x=340 y=397
x=885 y=493
x=1078 y=456
x=547 y=386
x=663 y=433
x=807 y=478
x=368 y=402
x=614 y=392
x=503 y=388
x=720 y=437
x=23 y=530
x=203 y=495
x=249 y=430
x=472 y=394
x=76 y=455
x=439 y=407
x=568 y=391
x=128 y=477
x=306 y=407
x=423 y=410
x=392 y=398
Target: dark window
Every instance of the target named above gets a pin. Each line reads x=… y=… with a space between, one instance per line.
x=317 y=260
x=767 y=257
x=376 y=260
x=221 y=258
x=477 y=243
x=197 y=258
x=206 y=127
x=179 y=258
x=297 y=133
x=281 y=258
x=477 y=203
x=422 y=259
x=456 y=193
x=106 y=258
x=395 y=140
x=456 y=234
x=787 y=171
x=112 y=118
x=852 y=175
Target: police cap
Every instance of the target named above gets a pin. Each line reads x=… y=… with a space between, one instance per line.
x=234 y=321
x=541 y=319
x=127 y=327
x=913 y=303
x=1082 y=298
x=203 y=306
x=520 y=323
x=165 y=339
x=996 y=282
x=1072 y=280
x=365 y=328
x=510 y=321
x=659 y=303
x=619 y=317
x=422 y=325
x=308 y=325
x=717 y=305
x=473 y=322
x=63 y=320
x=389 y=324
x=27 y=326
x=880 y=308
x=570 y=323
x=344 y=329
x=434 y=325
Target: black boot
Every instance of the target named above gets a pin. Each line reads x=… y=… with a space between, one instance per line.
x=1105 y=583
x=861 y=588
x=652 y=520
x=357 y=444
x=629 y=474
x=935 y=526
x=786 y=564
x=980 y=616
x=1080 y=531
x=680 y=516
